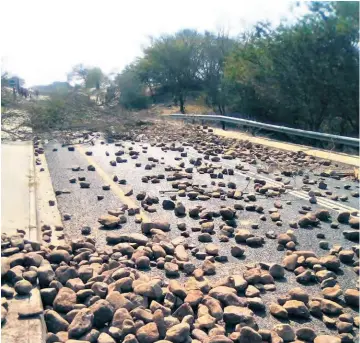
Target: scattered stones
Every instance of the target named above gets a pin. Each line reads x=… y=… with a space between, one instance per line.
x=249 y=335
x=237 y=251
x=278 y=311
x=296 y=308
x=351 y=297
x=276 y=271
x=285 y=331
x=343 y=217
x=109 y=221
x=125 y=291
x=327 y=339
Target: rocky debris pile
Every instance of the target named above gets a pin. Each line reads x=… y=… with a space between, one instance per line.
x=105 y=295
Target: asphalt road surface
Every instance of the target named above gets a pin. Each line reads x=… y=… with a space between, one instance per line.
x=85 y=208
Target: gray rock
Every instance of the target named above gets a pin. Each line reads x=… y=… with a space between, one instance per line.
x=115 y=238
x=306 y=334
x=147 y=333
x=3 y=314
x=23 y=287
x=285 y=331
x=237 y=314
x=48 y=295
x=249 y=335
x=276 y=271
x=45 y=275
x=57 y=256
x=5 y=266
x=100 y=289
x=7 y=291
x=65 y=300
x=65 y=273
x=33 y=259
x=105 y=338
x=54 y=322
x=178 y=333
x=103 y=312
x=81 y=324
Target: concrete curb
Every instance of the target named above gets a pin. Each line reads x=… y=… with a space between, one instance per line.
x=31 y=329
x=34 y=233
x=46 y=214
x=26 y=330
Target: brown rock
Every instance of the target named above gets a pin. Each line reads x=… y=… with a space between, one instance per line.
x=249 y=335
x=81 y=324
x=109 y=221
x=237 y=314
x=54 y=322
x=285 y=331
x=65 y=300
x=327 y=339
x=178 y=333
x=181 y=254
x=351 y=297
x=278 y=311
x=296 y=308
x=290 y=262
x=148 y=333
x=330 y=307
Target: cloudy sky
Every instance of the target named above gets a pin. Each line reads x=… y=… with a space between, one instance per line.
x=41 y=39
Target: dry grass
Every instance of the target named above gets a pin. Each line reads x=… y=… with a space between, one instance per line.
x=190 y=108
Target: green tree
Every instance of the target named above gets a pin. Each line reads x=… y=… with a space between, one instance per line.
x=88 y=77
x=306 y=74
x=215 y=49
x=173 y=61
x=132 y=90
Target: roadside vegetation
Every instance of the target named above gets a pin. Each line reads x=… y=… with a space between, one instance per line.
x=302 y=74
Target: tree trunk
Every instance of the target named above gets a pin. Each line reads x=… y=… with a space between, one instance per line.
x=220 y=109
x=152 y=95
x=182 y=104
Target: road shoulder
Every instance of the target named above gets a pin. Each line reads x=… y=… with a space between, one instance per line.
x=323 y=154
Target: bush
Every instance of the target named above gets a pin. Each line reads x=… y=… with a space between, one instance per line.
x=133 y=101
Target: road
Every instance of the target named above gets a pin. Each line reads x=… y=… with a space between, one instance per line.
x=85 y=208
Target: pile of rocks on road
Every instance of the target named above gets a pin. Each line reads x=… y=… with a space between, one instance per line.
x=106 y=295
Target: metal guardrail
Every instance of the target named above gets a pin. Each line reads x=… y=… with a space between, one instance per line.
x=350 y=141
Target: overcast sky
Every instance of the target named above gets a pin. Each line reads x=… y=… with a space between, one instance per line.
x=41 y=39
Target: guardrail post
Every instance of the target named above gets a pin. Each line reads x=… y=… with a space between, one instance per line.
x=223 y=125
